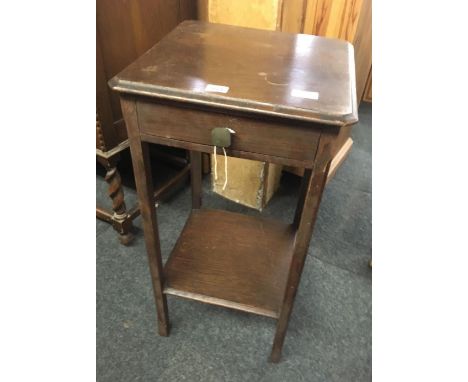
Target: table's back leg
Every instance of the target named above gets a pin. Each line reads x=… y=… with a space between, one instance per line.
x=306 y=213
x=196 y=178
x=144 y=185
x=302 y=196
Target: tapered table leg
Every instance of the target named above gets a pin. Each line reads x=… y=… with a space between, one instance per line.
x=309 y=200
x=144 y=185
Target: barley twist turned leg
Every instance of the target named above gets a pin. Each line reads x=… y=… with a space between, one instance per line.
x=122 y=224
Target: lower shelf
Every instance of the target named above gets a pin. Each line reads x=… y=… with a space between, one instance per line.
x=232 y=260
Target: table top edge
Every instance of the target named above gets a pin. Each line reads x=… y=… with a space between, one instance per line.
x=235 y=104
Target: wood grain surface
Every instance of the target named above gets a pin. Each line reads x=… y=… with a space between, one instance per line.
x=262 y=70
x=233 y=260
x=294 y=140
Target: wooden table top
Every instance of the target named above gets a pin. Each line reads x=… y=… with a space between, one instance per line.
x=273 y=73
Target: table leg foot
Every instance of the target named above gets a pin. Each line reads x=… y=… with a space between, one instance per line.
x=275 y=356
x=126 y=239
x=164 y=329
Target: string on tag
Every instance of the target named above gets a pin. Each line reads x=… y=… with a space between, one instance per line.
x=216 y=167
x=225 y=169
x=216 y=163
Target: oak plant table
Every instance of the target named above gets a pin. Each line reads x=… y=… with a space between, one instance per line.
x=286 y=98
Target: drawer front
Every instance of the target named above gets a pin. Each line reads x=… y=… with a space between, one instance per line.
x=291 y=140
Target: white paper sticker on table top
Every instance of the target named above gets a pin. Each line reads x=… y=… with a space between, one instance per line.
x=216 y=88
x=304 y=94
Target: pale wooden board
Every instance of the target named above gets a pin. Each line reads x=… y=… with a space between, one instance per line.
x=272 y=181
x=337 y=161
x=245 y=180
x=262 y=14
x=339 y=158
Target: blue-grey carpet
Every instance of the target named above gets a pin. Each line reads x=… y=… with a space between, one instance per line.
x=329 y=335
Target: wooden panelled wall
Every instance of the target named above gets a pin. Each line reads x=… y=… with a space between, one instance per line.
x=368 y=91
x=349 y=20
x=124 y=31
x=331 y=18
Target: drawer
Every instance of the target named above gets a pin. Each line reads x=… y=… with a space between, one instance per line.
x=294 y=140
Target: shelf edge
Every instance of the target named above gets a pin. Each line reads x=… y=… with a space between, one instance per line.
x=221 y=302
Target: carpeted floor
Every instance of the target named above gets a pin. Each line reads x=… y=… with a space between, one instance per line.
x=330 y=333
